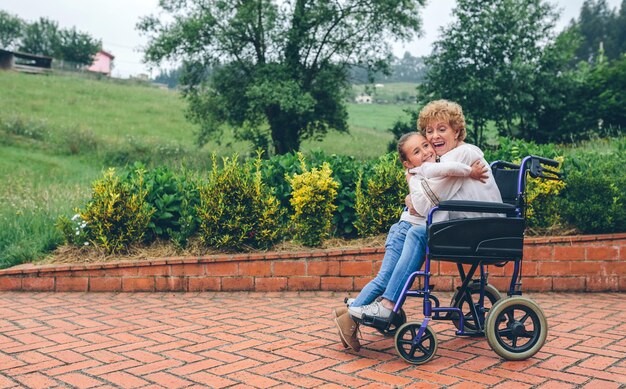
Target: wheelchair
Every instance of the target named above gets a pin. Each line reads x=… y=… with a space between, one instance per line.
x=515 y=326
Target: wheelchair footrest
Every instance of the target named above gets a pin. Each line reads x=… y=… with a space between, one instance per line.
x=371 y=321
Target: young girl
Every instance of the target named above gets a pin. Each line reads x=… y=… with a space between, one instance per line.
x=407 y=237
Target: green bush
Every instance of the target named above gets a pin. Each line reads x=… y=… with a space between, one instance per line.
x=173 y=197
x=117 y=214
x=33 y=129
x=313 y=193
x=595 y=203
x=380 y=196
x=236 y=210
x=510 y=150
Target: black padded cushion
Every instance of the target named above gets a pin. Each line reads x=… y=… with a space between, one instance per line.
x=490 y=239
x=506 y=179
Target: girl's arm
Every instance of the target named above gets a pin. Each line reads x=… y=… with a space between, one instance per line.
x=477 y=170
x=445 y=169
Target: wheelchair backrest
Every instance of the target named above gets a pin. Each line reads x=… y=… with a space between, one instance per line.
x=507 y=181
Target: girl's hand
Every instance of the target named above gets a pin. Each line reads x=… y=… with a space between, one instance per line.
x=479 y=171
x=409 y=205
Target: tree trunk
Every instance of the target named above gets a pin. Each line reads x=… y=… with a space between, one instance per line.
x=285 y=131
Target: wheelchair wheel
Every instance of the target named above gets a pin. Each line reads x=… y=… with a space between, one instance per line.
x=398 y=320
x=492 y=295
x=414 y=352
x=516 y=328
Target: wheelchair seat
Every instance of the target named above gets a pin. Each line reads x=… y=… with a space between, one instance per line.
x=489 y=240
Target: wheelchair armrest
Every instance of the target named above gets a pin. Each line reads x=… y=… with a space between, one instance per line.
x=476 y=206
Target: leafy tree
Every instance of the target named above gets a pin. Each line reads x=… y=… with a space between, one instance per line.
x=609 y=82
x=488 y=60
x=76 y=46
x=598 y=25
x=41 y=37
x=280 y=67
x=620 y=30
x=563 y=103
x=10 y=30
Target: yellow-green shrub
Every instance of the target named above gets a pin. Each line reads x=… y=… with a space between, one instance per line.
x=117 y=214
x=380 y=197
x=236 y=209
x=543 y=207
x=312 y=196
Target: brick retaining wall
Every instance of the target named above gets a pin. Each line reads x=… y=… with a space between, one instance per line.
x=576 y=263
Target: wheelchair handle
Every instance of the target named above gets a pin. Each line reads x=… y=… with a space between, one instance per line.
x=547 y=161
x=537 y=170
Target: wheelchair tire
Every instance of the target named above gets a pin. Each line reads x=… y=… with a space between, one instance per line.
x=398 y=321
x=492 y=295
x=512 y=319
x=419 y=353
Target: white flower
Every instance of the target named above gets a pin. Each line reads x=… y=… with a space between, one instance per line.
x=77 y=232
x=75 y=217
x=86 y=243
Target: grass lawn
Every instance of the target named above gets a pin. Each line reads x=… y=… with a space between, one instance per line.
x=108 y=109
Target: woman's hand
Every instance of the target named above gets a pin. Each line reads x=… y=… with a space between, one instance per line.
x=479 y=171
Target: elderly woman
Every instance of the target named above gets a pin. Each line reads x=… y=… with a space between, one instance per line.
x=443 y=124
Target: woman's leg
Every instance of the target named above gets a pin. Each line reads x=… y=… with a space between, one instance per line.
x=393 y=250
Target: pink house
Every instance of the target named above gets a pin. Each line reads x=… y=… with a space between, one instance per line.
x=102 y=63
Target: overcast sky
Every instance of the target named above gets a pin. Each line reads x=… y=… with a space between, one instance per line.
x=113 y=21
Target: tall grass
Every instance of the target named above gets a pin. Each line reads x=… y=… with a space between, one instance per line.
x=36 y=189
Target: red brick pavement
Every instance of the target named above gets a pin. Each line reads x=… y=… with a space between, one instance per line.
x=282 y=340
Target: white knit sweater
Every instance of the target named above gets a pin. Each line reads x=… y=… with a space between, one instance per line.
x=427 y=193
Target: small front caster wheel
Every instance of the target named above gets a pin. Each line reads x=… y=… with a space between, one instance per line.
x=516 y=328
x=412 y=350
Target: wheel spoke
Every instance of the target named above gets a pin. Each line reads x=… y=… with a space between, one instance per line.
x=514 y=339
x=505 y=333
x=523 y=319
x=528 y=334
x=423 y=349
x=405 y=342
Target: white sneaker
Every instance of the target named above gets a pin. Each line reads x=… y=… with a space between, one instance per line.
x=374 y=309
x=349 y=301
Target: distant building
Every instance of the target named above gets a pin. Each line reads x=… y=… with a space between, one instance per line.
x=102 y=63
x=24 y=62
x=364 y=99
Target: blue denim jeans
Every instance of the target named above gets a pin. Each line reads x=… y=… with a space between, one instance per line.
x=410 y=261
x=393 y=250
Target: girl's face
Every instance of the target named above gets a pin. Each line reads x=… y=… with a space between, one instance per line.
x=442 y=136
x=417 y=151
